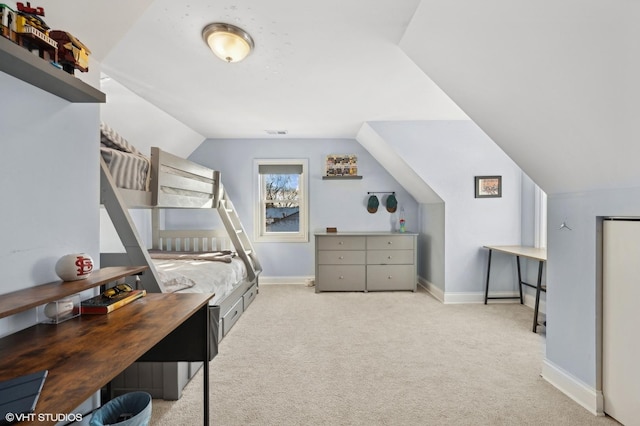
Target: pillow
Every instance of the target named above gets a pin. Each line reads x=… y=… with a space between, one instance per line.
x=111 y=139
x=173 y=282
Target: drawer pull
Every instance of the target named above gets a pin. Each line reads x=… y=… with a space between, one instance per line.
x=389 y=242
x=389 y=257
x=389 y=277
x=340 y=242
x=340 y=257
x=341 y=277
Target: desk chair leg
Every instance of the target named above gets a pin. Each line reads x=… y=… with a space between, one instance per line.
x=519 y=279
x=538 y=289
x=486 y=289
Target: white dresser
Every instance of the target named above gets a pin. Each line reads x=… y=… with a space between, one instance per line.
x=358 y=261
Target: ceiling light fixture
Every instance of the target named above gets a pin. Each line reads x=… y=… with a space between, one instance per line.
x=228 y=42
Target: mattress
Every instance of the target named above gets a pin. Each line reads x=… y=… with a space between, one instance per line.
x=201 y=276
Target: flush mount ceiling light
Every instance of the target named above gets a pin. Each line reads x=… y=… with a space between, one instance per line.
x=228 y=42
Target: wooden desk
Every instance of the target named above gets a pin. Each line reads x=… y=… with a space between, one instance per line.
x=85 y=353
x=539 y=254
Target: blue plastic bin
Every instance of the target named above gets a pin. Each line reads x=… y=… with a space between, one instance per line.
x=130 y=409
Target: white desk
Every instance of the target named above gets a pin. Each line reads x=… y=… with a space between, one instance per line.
x=539 y=254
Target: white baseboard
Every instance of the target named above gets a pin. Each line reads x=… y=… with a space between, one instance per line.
x=585 y=395
x=530 y=301
x=477 y=297
x=431 y=289
x=303 y=280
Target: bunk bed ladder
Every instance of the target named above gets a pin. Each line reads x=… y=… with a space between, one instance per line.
x=237 y=234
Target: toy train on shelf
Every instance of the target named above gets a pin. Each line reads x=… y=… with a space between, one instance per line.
x=27 y=28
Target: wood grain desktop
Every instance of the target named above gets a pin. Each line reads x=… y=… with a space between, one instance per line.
x=85 y=353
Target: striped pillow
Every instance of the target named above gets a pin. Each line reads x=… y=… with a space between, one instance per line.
x=111 y=139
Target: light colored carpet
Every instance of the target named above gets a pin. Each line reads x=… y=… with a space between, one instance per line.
x=392 y=358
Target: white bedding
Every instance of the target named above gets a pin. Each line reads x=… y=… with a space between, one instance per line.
x=201 y=276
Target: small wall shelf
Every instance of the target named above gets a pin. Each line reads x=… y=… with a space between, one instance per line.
x=22 y=64
x=21 y=300
x=341 y=177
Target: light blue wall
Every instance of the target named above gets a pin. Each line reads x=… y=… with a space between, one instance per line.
x=431 y=244
x=448 y=155
x=574 y=276
x=339 y=203
x=49 y=183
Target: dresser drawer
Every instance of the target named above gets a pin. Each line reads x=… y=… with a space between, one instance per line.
x=341 y=278
x=340 y=243
x=390 y=257
x=392 y=242
x=391 y=277
x=341 y=257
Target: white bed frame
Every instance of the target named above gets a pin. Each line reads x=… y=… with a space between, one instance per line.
x=177 y=183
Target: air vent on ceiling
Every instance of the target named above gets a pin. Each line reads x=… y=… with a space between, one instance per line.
x=276 y=132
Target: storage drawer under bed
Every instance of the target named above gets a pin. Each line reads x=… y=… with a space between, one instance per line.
x=248 y=296
x=231 y=316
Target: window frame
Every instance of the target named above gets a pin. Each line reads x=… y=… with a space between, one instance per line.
x=540 y=218
x=260 y=233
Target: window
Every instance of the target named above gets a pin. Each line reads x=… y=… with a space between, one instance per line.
x=540 y=218
x=282 y=212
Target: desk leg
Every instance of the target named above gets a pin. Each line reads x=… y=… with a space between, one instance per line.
x=486 y=289
x=519 y=278
x=206 y=392
x=207 y=357
x=538 y=289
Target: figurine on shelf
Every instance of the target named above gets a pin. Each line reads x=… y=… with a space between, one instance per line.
x=7 y=18
x=27 y=28
x=72 y=53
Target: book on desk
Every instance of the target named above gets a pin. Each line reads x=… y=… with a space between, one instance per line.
x=103 y=305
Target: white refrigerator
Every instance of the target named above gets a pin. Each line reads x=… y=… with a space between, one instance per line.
x=621 y=320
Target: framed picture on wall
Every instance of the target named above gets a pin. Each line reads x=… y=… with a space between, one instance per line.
x=488 y=186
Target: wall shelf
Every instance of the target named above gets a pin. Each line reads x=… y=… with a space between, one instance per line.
x=341 y=177
x=20 y=63
x=21 y=300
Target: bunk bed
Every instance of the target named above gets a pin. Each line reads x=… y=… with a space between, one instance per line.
x=220 y=261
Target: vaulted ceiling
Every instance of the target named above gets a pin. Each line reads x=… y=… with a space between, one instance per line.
x=554 y=84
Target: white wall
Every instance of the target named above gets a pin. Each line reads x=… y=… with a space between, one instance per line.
x=144 y=125
x=49 y=181
x=549 y=81
x=339 y=203
x=448 y=155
